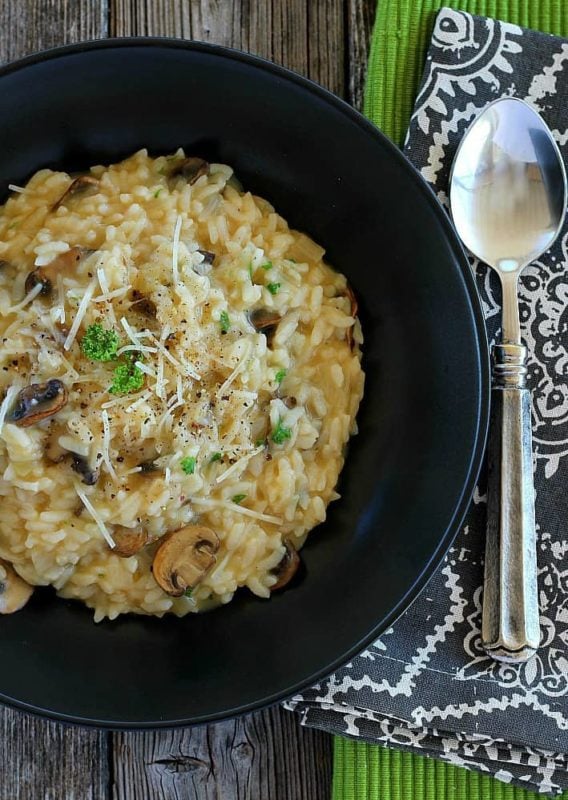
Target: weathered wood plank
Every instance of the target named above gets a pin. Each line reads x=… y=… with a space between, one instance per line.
x=327 y=57
x=45 y=760
x=303 y=35
x=264 y=755
x=48 y=761
x=30 y=25
x=360 y=19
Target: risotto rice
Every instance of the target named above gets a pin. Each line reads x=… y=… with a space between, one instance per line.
x=174 y=357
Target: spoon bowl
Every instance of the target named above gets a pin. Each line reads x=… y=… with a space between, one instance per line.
x=507 y=192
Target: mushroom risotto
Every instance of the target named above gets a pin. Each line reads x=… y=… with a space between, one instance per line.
x=180 y=376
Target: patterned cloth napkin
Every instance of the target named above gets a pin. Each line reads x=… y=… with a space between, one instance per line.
x=426 y=684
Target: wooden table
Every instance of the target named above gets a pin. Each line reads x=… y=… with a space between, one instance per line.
x=265 y=756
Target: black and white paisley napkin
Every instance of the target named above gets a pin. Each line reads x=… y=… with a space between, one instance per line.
x=426 y=685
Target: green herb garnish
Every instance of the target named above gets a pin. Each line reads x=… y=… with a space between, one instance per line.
x=127 y=378
x=238 y=498
x=188 y=592
x=215 y=457
x=280 y=434
x=157 y=192
x=99 y=344
x=273 y=288
x=260 y=443
x=267 y=266
x=280 y=375
x=224 y=322
x=188 y=465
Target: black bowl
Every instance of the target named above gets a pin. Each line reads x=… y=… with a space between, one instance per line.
x=411 y=470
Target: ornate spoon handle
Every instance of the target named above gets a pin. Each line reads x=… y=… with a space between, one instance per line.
x=510 y=624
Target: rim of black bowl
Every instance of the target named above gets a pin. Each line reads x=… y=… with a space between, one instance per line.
x=477 y=319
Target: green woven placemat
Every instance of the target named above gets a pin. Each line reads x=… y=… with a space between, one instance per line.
x=369 y=772
x=400 y=40
x=398 y=49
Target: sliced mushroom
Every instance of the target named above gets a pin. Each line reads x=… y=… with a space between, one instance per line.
x=47 y=275
x=290 y=402
x=265 y=320
x=191 y=169
x=146 y=467
x=128 y=542
x=287 y=567
x=38 y=401
x=143 y=304
x=81 y=466
x=14 y=591
x=350 y=294
x=208 y=256
x=77 y=186
x=183 y=558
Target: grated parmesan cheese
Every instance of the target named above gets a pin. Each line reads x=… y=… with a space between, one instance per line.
x=188 y=372
x=81 y=311
x=145 y=368
x=142 y=348
x=102 y=298
x=247 y=512
x=241 y=462
x=31 y=295
x=239 y=368
x=175 y=249
x=169 y=413
x=142 y=399
x=106 y=445
x=103 y=283
x=130 y=332
x=96 y=516
x=61 y=295
x=6 y=403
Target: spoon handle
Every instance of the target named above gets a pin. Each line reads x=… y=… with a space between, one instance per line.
x=510 y=624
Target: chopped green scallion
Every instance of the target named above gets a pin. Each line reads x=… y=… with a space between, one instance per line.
x=280 y=433
x=238 y=498
x=280 y=375
x=188 y=464
x=273 y=288
x=224 y=322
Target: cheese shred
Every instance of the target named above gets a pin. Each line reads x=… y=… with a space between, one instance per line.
x=96 y=516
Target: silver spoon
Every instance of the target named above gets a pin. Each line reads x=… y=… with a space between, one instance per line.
x=508 y=201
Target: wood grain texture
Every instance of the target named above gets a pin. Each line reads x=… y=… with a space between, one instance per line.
x=360 y=16
x=48 y=761
x=259 y=757
x=30 y=25
x=307 y=36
